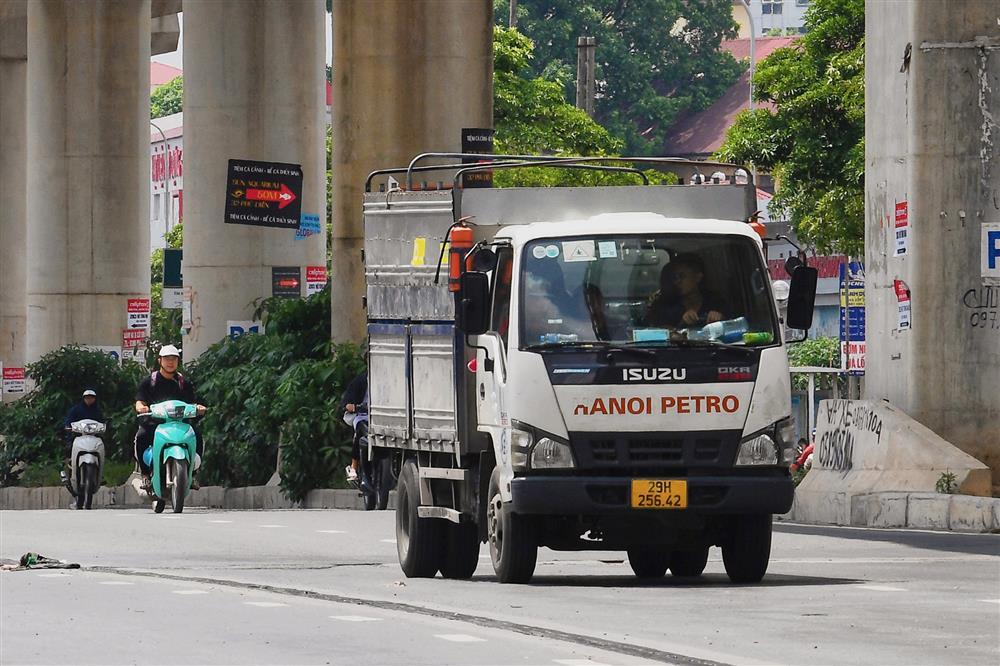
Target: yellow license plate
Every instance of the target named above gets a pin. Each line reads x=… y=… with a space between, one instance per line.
x=659 y=494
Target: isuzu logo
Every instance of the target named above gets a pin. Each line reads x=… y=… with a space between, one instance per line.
x=653 y=374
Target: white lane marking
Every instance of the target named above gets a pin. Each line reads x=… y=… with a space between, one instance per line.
x=115 y=582
x=355 y=618
x=990 y=601
x=330 y=531
x=881 y=588
x=578 y=662
x=270 y=526
x=484 y=557
x=264 y=604
x=460 y=638
x=388 y=540
x=53 y=575
x=190 y=591
x=172 y=517
x=220 y=521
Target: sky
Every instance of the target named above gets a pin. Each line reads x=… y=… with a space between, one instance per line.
x=176 y=59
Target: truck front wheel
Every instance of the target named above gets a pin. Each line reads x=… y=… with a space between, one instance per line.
x=746 y=551
x=649 y=561
x=513 y=547
x=419 y=540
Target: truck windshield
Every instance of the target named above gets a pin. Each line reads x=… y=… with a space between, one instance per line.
x=669 y=289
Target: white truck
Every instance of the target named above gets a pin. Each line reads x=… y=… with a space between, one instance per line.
x=592 y=368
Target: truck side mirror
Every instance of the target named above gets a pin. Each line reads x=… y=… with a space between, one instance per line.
x=802 y=298
x=473 y=315
x=484 y=260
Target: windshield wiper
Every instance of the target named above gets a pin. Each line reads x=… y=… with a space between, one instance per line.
x=593 y=344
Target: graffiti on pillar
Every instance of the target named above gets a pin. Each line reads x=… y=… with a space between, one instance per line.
x=846 y=424
x=983 y=307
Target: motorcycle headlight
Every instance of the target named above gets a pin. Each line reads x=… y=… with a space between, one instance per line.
x=757 y=450
x=550 y=453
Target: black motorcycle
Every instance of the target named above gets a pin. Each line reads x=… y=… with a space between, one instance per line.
x=375 y=477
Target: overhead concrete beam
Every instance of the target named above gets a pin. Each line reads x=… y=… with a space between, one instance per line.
x=160 y=8
x=164 y=33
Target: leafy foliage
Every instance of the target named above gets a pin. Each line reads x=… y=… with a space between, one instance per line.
x=814 y=142
x=816 y=353
x=32 y=426
x=655 y=59
x=168 y=99
x=532 y=117
x=281 y=387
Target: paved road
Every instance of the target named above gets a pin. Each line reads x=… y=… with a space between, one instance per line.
x=315 y=587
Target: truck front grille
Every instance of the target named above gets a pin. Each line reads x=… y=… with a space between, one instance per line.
x=638 y=451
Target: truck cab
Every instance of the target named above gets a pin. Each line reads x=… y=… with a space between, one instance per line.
x=618 y=381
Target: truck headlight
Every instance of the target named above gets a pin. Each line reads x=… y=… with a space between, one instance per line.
x=520 y=447
x=758 y=450
x=549 y=453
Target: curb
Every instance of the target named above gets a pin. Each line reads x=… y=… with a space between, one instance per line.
x=214 y=497
x=916 y=510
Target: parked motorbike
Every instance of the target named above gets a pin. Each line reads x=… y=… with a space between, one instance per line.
x=375 y=478
x=86 y=462
x=173 y=457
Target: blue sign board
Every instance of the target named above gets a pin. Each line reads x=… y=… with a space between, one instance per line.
x=852 y=316
x=308 y=226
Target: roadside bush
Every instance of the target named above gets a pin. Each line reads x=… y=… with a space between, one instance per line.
x=32 y=426
x=282 y=387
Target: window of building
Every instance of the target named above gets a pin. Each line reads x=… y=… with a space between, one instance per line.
x=801 y=3
x=771 y=6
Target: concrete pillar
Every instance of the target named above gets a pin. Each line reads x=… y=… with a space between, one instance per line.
x=254 y=74
x=407 y=77
x=13 y=129
x=88 y=169
x=933 y=142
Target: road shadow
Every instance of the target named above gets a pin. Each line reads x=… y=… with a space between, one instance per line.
x=629 y=581
x=951 y=542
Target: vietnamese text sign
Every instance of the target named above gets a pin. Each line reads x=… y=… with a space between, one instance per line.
x=991 y=252
x=138 y=313
x=264 y=194
x=286 y=281
x=315 y=279
x=308 y=227
x=173 y=279
x=13 y=380
x=903 y=304
x=477 y=140
x=238 y=328
x=852 y=318
x=133 y=337
x=902 y=228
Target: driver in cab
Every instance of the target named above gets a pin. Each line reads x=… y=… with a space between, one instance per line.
x=681 y=301
x=167 y=383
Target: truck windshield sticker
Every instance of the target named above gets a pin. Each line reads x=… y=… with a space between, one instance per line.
x=579 y=250
x=538 y=252
x=552 y=251
x=607 y=249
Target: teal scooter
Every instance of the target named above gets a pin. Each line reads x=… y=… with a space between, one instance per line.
x=173 y=456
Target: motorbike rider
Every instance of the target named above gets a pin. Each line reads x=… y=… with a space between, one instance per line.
x=87 y=408
x=355 y=397
x=167 y=383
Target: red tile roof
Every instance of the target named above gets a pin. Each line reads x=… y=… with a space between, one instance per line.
x=702 y=133
x=160 y=74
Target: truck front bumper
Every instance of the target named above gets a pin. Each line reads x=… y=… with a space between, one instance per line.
x=551 y=495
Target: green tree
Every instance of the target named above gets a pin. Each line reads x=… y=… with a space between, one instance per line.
x=165 y=325
x=816 y=353
x=167 y=99
x=531 y=117
x=655 y=58
x=813 y=143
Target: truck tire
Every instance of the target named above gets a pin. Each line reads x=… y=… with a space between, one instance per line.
x=649 y=561
x=513 y=545
x=689 y=563
x=462 y=555
x=746 y=551
x=419 y=541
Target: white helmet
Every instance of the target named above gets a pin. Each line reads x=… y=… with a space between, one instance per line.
x=169 y=350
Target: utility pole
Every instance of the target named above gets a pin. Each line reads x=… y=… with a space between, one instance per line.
x=586 y=54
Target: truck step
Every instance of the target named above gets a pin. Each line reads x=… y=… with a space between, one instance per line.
x=439 y=512
x=449 y=473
